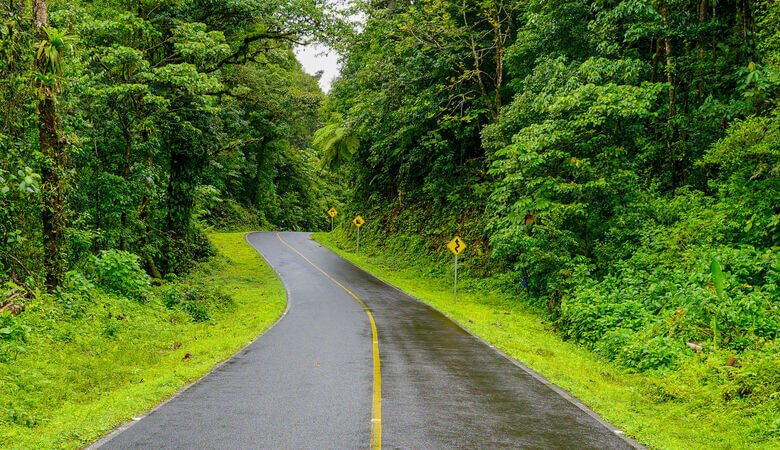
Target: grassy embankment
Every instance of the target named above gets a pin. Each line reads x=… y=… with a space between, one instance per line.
x=88 y=366
x=674 y=410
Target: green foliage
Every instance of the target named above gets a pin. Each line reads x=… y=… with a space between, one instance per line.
x=196 y=301
x=52 y=358
x=14 y=333
x=751 y=148
x=596 y=156
x=25 y=180
x=120 y=272
x=664 y=289
x=52 y=49
x=717 y=277
x=646 y=383
x=13 y=336
x=337 y=144
x=163 y=112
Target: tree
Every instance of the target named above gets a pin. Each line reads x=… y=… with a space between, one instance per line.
x=50 y=48
x=158 y=106
x=337 y=145
x=586 y=148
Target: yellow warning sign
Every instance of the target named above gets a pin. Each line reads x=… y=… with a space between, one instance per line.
x=358 y=221
x=332 y=212
x=456 y=245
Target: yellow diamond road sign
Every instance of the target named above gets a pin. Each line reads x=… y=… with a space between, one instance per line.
x=456 y=245
x=358 y=221
x=332 y=212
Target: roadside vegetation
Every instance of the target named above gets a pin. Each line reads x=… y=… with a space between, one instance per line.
x=613 y=166
x=595 y=156
x=699 y=404
x=134 y=125
x=111 y=345
x=127 y=130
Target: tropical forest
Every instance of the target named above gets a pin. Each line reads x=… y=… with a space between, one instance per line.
x=613 y=167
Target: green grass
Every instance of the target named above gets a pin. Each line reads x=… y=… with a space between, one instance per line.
x=82 y=375
x=677 y=410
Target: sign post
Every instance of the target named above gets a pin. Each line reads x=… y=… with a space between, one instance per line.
x=358 y=221
x=332 y=213
x=456 y=246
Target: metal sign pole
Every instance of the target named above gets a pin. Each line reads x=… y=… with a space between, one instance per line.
x=331 y=224
x=455 y=289
x=358 y=242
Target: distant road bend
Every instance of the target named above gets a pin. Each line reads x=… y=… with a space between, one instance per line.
x=356 y=363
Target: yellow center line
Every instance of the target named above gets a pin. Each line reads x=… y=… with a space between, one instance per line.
x=376 y=408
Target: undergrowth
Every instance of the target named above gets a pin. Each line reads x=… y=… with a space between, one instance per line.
x=714 y=398
x=110 y=345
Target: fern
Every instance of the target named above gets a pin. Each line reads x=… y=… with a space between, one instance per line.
x=337 y=143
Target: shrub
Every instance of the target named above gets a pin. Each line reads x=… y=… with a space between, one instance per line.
x=77 y=283
x=172 y=295
x=119 y=272
x=672 y=298
x=13 y=333
x=658 y=353
x=193 y=300
x=196 y=308
x=74 y=295
x=613 y=343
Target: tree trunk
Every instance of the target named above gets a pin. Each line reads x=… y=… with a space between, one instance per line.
x=184 y=176
x=670 y=132
x=714 y=36
x=668 y=56
x=143 y=217
x=499 y=39
x=98 y=188
x=700 y=49
x=180 y=204
x=123 y=245
x=48 y=139
x=748 y=28
x=260 y=159
x=656 y=60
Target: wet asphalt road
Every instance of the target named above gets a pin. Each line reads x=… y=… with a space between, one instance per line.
x=307 y=382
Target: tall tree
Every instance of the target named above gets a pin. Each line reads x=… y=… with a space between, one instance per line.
x=50 y=49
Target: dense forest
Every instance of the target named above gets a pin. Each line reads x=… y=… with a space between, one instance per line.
x=133 y=125
x=612 y=164
x=128 y=130
x=597 y=156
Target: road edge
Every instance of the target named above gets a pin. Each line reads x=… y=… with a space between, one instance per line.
x=105 y=439
x=566 y=395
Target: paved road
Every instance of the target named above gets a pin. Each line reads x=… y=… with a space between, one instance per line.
x=309 y=381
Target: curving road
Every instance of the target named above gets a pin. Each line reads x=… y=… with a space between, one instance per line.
x=312 y=380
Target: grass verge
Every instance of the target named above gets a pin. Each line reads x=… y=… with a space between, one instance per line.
x=85 y=367
x=675 y=410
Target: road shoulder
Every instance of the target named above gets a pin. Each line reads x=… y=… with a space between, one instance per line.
x=525 y=338
x=158 y=354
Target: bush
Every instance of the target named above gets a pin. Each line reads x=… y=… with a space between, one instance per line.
x=658 y=353
x=77 y=283
x=74 y=295
x=231 y=215
x=614 y=342
x=196 y=308
x=669 y=296
x=196 y=301
x=119 y=272
x=181 y=256
x=13 y=333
